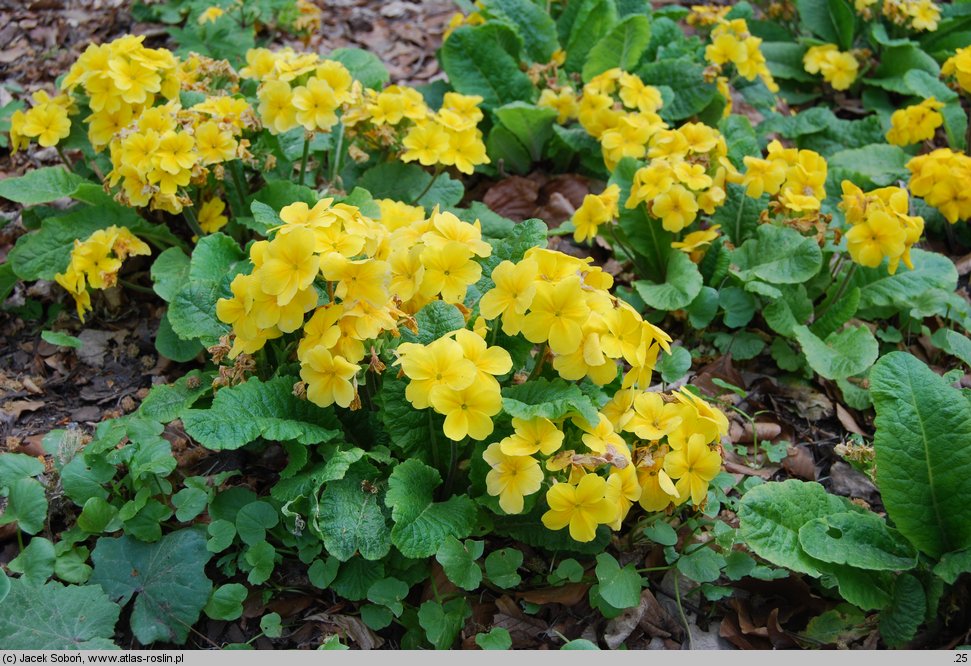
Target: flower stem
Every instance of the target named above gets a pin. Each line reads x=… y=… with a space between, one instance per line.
x=335 y=153
x=677 y=598
x=303 y=159
x=839 y=292
x=540 y=362
x=192 y=221
x=67 y=162
x=135 y=287
x=438 y=172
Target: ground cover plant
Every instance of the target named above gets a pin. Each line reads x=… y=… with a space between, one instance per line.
x=497 y=361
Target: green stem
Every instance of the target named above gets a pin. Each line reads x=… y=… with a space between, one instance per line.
x=236 y=172
x=67 y=162
x=839 y=292
x=192 y=221
x=135 y=287
x=738 y=222
x=335 y=155
x=438 y=172
x=436 y=461
x=303 y=159
x=677 y=598
x=453 y=466
x=540 y=362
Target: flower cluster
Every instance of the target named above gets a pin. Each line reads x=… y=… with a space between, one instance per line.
x=95 y=263
x=654 y=449
x=620 y=110
x=796 y=177
x=880 y=226
x=959 y=66
x=46 y=121
x=733 y=44
x=449 y=137
x=596 y=210
x=915 y=123
x=687 y=173
x=941 y=177
x=839 y=68
x=920 y=15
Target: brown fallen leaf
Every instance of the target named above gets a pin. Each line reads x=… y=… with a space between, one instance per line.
x=743 y=432
x=800 y=463
x=513 y=197
x=568 y=595
x=13 y=409
x=848 y=421
x=353 y=627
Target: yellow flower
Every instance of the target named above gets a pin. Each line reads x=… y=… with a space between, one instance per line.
x=213 y=144
x=916 y=123
x=210 y=15
x=531 y=436
x=582 y=507
x=511 y=478
x=677 y=208
x=362 y=280
x=276 y=106
x=47 y=122
x=425 y=142
x=289 y=265
x=515 y=287
x=449 y=270
x=316 y=105
x=490 y=362
x=694 y=466
x=623 y=489
x=329 y=378
x=879 y=236
x=133 y=79
x=468 y=412
x=563 y=102
x=657 y=488
x=596 y=209
x=175 y=152
x=211 y=217
x=465 y=150
x=441 y=363
x=653 y=418
x=557 y=314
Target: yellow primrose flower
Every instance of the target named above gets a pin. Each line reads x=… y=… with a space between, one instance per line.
x=329 y=378
x=879 y=236
x=465 y=150
x=601 y=437
x=441 y=363
x=213 y=144
x=694 y=466
x=596 y=209
x=563 y=102
x=210 y=15
x=557 y=315
x=657 y=488
x=531 y=436
x=211 y=217
x=676 y=208
x=653 y=418
x=694 y=243
x=289 y=264
x=48 y=123
x=425 y=142
x=316 y=104
x=916 y=123
x=511 y=478
x=468 y=412
x=449 y=270
x=582 y=507
x=277 y=109
x=623 y=489
x=490 y=362
x=515 y=286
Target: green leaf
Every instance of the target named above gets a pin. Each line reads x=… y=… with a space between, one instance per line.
x=261 y=556
x=896 y=62
x=171 y=346
x=784 y=314
x=61 y=339
x=832 y=20
x=923 y=452
x=16 y=466
x=739 y=306
x=704 y=308
x=861 y=540
x=703 y=565
x=253 y=520
x=497 y=639
x=323 y=572
x=309 y=481
x=356 y=576
x=531 y=22
x=240 y=414
x=363 y=66
x=692 y=93
x=581 y=25
x=548 y=399
x=405 y=182
x=351 y=519
x=26 y=505
x=458 y=561
x=622 y=47
x=189 y=503
x=389 y=592
x=838 y=314
x=169 y=272
x=39 y=186
x=36 y=561
x=221 y=533
x=621 y=588
x=420 y=524
x=675 y=365
x=502 y=567
x=434 y=321
x=531 y=125
x=953 y=343
x=899 y=623
x=443 y=622
x=568 y=570
x=662 y=533
x=166 y=402
x=57 y=617
x=226 y=602
x=484 y=60
x=778 y=255
x=270 y=625
x=771 y=515
x=167 y=579
x=97 y=515
x=681 y=286
x=842 y=354
x=579 y=644
x=4 y=586
x=879 y=164
x=869 y=590
x=951 y=566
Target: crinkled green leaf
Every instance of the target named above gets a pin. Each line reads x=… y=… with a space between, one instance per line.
x=923 y=452
x=622 y=47
x=857 y=539
x=166 y=402
x=420 y=525
x=899 y=623
x=240 y=414
x=57 y=617
x=484 y=60
x=681 y=286
x=842 y=354
x=458 y=560
x=778 y=255
x=40 y=185
x=530 y=21
x=551 y=399
x=167 y=579
x=351 y=518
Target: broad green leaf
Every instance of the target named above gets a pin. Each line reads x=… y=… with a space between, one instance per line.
x=40 y=186
x=953 y=343
x=704 y=565
x=167 y=579
x=406 y=182
x=741 y=139
x=458 y=560
x=36 y=561
x=681 y=286
x=356 y=576
x=502 y=567
x=412 y=431
x=442 y=622
x=832 y=20
x=16 y=466
x=622 y=47
x=254 y=519
x=57 y=617
x=951 y=566
x=692 y=93
x=4 y=586
x=189 y=503
x=261 y=556
x=880 y=289
x=857 y=539
x=739 y=306
x=531 y=125
x=97 y=515
x=389 y=592
x=899 y=623
x=279 y=193
x=839 y=313
x=484 y=60
x=240 y=414
x=704 y=308
x=548 y=399
x=793 y=309
x=619 y=587
x=504 y=147
x=896 y=62
x=531 y=22
x=771 y=515
x=581 y=25
x=842 y=354
x=363 y=66
x=778 y=255
x=323 y=572
x=784 y=60
x=497 y=639
x=880 y=164
x=435 y=320
x=61 y=339
x=420 y=524
x=270 y=625
x=923 y=452
x=662 y=533
x=568 y=569
x=172 y=347
x=869 y=590
x=309 y=481
x=226 y=602
x=675 y=365
x=169 y=272
x=26 y=505
x=351 y=518
x=221 y=534
x=579 y=644
x=166 y=402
